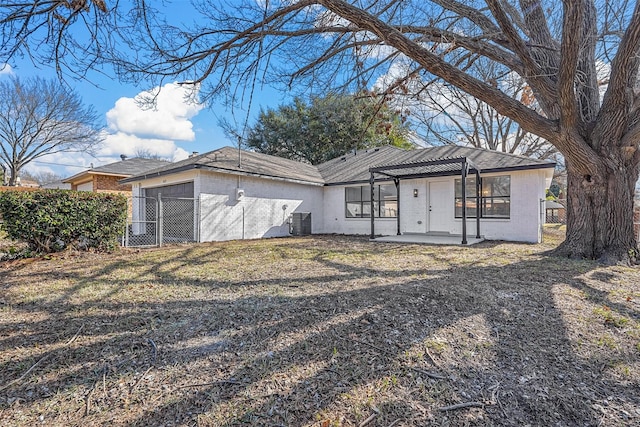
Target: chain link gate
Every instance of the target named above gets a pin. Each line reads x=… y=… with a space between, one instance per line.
x=155 y=221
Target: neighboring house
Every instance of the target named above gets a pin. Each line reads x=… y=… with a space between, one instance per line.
x=105 y=178
x=556 y=213
x=241 y=194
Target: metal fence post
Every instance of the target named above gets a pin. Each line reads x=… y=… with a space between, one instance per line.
x=126 y=233
x=197 y=212
x=160 y=219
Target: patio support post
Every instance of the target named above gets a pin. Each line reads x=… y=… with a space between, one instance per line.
x=371 y=182
x=478 y=202
x=396 y=181
x=463 y=174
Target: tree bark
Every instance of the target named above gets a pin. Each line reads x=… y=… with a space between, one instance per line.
x=13 y=179
x=600 y=214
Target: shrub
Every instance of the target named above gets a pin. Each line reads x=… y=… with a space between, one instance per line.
x=51 y=220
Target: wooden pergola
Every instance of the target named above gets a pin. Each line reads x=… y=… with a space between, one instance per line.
x=429 y=169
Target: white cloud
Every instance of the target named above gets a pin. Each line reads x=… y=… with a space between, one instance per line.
x=119 y=143
x=133 y=129
x=36 y=168
x=135 y=125
x=5 y=69
x=180 y=154
x=168 y=117
x=65 y=164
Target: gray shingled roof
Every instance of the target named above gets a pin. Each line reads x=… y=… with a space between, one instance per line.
x=351 y=168
x=552 y=204
x=128 y=167
x=226 y=160
x=354 y=167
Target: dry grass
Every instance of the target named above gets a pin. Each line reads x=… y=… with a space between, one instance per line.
x=319 y=331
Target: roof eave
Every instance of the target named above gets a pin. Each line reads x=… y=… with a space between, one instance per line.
x=219 y=170
x=551 y=165
x=142 y=177
x=78 y=176
x=264 y=176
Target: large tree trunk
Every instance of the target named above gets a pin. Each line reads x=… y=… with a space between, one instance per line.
x=600 y=214
x=13 y=179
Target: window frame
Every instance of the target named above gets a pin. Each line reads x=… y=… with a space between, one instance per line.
x=364 y=202
x=487 y=201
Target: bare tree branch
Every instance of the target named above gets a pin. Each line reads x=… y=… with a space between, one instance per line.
x=504 y=104
x=569 y=49
x=624 y=72
x=542 y=85
x=39 y=118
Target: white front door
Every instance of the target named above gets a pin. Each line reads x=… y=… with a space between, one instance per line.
x=439 y=207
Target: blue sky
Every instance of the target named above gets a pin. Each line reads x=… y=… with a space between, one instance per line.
x=173 y=131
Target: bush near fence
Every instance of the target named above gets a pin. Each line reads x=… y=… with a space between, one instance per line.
x=52 y=220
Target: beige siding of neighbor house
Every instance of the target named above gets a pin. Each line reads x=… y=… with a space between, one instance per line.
x=85 y=186
x=103 y=184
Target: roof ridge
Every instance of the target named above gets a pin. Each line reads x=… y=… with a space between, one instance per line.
x=466 y=147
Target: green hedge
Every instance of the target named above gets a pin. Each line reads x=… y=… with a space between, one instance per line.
x=52 y=220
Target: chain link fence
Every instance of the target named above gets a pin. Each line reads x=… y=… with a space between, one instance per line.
x=154 y=221
x=177 y=220
x=555 y=211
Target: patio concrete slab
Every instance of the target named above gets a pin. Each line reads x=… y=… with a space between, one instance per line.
x=429 y=239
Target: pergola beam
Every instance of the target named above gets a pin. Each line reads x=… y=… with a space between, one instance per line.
x=466 y=166
x=434 y=162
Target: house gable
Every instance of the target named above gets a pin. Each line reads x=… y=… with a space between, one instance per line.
x=105 y=178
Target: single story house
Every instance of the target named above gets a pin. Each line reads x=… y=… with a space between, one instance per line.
x=238 y=194
x=105 y=178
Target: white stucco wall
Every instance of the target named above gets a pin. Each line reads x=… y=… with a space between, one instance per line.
x=259 y=213
x=335 y=220
x=263 y=211
x=527 y=188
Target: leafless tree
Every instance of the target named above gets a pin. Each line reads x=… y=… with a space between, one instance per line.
x=145 y=153
x=555 y=47
x=40 y=117
x=42 y=177
x=445 y=115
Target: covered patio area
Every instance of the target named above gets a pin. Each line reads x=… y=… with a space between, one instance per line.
x=440 y=167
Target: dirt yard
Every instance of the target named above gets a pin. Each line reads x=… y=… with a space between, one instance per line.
x=319 y=331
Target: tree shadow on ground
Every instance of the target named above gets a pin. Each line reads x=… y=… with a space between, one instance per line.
x=341 y=340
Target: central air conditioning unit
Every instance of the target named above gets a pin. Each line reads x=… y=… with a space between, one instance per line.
x=300 y=224
x=239 y=193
